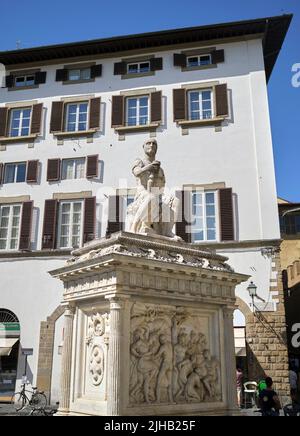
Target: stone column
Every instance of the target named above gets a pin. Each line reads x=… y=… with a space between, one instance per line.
x=230 y=363
x=115 y=356
x=66 y=361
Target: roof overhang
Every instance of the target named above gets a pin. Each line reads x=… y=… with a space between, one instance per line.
x=271 y=29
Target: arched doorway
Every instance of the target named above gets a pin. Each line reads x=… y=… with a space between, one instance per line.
x=9 y=351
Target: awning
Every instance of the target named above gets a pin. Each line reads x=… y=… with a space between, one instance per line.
x=6 y=345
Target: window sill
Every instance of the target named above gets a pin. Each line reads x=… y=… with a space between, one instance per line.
x=22 y=88
x=76 y=82
x=129 y=129
x=10 y=139
x=135 y=75
x=197 y=123
x=62 y=135
x=199 y=67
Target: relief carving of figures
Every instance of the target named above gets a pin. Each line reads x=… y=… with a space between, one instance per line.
x=170 y=359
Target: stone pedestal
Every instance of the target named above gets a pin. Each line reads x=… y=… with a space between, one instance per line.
x=152 y=331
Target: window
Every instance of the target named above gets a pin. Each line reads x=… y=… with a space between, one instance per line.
x=137 y=111
x=204 y=216
x=79 y=74
x=9 y=226
x=20 y=122
x=200 y=104
x=199 y=61
x=76 y=117
x=26 y=80
x=138 y=67
x=290 y=224
x=70 y=224
x=15 y=172
x=73 y=168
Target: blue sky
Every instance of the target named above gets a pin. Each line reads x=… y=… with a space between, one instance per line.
x=33 y=22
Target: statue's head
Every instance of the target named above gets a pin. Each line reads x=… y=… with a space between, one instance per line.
x=150 y=147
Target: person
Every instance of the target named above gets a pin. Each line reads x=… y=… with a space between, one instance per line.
x=293 y=384
x=239 y=385
x=268 y=400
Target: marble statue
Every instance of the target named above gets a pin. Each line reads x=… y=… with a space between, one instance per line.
x=152 y=212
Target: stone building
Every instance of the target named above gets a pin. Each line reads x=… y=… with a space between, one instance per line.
x=72 y=120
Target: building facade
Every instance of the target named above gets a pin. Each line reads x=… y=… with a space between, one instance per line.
x=73 y=118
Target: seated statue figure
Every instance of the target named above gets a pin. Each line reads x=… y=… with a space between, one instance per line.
x=152 y=212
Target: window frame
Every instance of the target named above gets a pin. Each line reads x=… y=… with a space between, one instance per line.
x=204 y=217
x=138 y=116
x=199 y=56
x=10 y=226
x=16 y=165
x=73 y=168
x=81 y=79
x=20 y=127
x=139 y=67
x=66 y=115
x=200 y=103
x=70 y=225
x=25 y=84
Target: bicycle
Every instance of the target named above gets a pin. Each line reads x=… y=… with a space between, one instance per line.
x=21 y=399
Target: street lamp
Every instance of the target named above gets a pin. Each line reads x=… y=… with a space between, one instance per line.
x=252 y=288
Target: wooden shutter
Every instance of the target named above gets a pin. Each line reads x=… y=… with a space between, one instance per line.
x=117 y=115
x=32 y=171
x=156 y=64
x=26 y=223
x=40 y=77
x=155 y=106
x=179 y=104
x=89 y=219
x=92 y=166
x=226 y=214
x=62 y=75
x=36 y=118
x=114 y=223
x=179 y=60
x=96 y=71
x=120 y=68
x=184 y=213
x=53 y=170
x=94 y=117
x=57 y=116
x=221 y=100
x=217 y=56
x=1 y=173
x=49 y=226
x=9 y=81
x=3 y=120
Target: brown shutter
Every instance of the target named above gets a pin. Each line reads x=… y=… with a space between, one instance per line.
x=49 y=226
x=221 y=100
x=156 y=64
x=92 y=166
x=40 y=77
x=3 y=120
x=117 y=115
x=26 y=223
x=1 y=173
x=114 y=223
x=179 y=104
x=62 y=75
x=226 y=214
x=94 y=118
x=96 y=71
x=89 y=219
x=184 y=213
x=36 y=118
x=155 y=106
x=120 y=68
x=32 y=171
x=57 y=116
x=179 y=60
x=9 y=81
x=53 y=170
x=217 y=56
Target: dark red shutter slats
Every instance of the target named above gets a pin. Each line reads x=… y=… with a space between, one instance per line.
x=120 y=68
x=117 y=114
x=179 y=60
x=32 y=171
x=1 y=173
x=114 y=223
x=3 y=120
x=57 y=116
x=221 y=100
x=179 y=104
x=9 y=81
x=182 y=223
x=53 y=170
x=156 y=64
x=96 y=71
x=49 y=227
x=36 y=118
x=40 y=77
x=62 y=75
x=226 y=214
x=94 y=118
x=217 y=56
x=26 y=224
x=89 y=219
x=155 y=106
x=92 y=166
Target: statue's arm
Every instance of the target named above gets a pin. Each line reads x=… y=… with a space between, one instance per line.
x=139 y=169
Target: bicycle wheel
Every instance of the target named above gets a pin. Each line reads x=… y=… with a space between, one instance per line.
x=19 y=401
x=38 y=401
